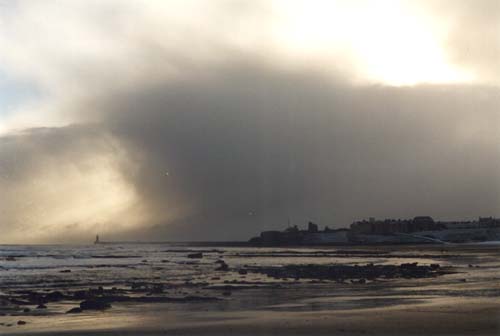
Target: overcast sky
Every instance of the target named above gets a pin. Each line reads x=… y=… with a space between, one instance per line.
x=214 y=120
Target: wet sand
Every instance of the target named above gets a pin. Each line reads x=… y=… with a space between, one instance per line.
x=457 y=317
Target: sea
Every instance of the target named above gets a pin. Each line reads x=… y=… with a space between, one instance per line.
x=71 y=266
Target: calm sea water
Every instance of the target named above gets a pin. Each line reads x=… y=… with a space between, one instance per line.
x=53 y=266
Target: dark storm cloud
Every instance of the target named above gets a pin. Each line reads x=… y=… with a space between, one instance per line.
x=247 y=146
x=233 y=150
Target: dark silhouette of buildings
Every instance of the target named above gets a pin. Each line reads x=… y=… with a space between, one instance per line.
x=420 y=229
x=388 y=226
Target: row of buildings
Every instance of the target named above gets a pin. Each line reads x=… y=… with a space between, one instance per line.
x=388 y=226
x=418 y=224
x=420 y=229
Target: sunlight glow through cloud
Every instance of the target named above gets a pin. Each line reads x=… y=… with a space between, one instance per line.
x=386 y=41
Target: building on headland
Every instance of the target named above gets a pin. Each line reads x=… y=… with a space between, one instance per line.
x=294 y=236
x=420 y=229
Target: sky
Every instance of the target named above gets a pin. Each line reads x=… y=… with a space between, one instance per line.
x=215 y=120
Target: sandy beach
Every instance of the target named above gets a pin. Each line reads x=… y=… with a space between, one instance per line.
x=458 y=317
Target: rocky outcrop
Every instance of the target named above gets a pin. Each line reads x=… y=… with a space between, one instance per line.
x=343 y=272
x=97 y=304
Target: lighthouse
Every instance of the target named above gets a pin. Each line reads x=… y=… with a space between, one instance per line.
x=96 y=239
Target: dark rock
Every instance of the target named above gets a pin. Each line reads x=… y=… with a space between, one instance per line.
x=65 y=271
x=346 y=272
x=81 y=295
x=10 y=259
x=19 y=302
x=41 y=306
x=26 y=310
x=242 y=271
x=34 y=297
x=54 y=296
x=409 y=265
x=94 y=305
x=157 y=288
x=223 y=267
x=197 y=255
x=21 y=322
x=75 y=310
